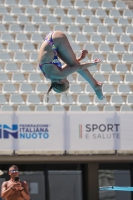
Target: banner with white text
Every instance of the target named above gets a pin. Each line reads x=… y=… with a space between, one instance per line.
x=100 y=131
x=28 y=131
x=95 y=131
x=66 y=131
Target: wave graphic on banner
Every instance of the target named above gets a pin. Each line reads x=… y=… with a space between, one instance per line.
x=10 y=131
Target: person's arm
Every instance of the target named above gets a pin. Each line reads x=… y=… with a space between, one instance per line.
x=54 y=73
x=5 y=192
x=25 y=191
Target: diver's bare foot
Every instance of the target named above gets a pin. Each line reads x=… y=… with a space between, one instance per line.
x=98 y=91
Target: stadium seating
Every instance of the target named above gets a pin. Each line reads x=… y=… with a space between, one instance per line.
x=24 y=108
x=33 y=99
x=126 y=108
x=41 y=88
x=41 y=108
x=121 y=69
x=25 y=88
x=16 y=99
x=30 y=11
x=92 y=108
x=24 y=3
x=11 y=67
x=116 y=100
x=6 y=108
x=58 y=108
x=104 y=28
x=109 y=108
x=67 y=99
x=9 y=88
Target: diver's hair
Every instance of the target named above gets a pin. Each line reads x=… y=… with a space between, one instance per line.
x=58 y=86
x=14 y=166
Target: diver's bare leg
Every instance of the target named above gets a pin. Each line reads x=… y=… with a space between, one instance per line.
x=68 y=56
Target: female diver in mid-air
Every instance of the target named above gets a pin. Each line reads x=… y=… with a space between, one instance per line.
x=57 y=45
